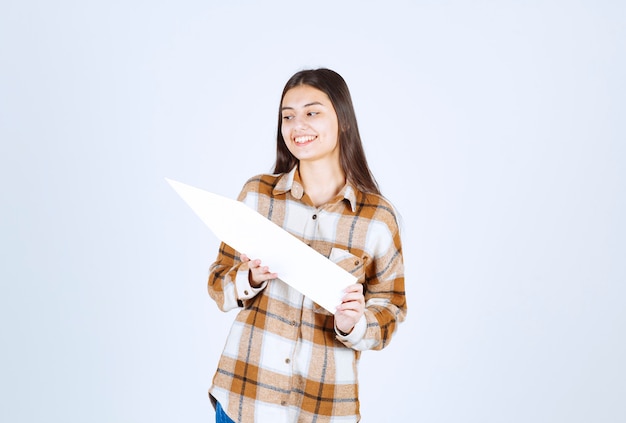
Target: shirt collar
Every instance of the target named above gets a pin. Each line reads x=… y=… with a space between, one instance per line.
x=291 y=182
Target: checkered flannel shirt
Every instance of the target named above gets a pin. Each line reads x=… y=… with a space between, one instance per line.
x=284 y=360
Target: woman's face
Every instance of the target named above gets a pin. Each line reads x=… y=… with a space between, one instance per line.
x=309 y=125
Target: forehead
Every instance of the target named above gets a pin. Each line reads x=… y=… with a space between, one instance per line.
x=303 y=95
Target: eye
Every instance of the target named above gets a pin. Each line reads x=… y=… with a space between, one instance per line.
x=312 y=113
x=288 y=117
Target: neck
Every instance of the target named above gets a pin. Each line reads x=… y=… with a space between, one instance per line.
x=322 y=182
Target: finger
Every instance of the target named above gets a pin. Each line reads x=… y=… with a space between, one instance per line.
x=351 y=305
x=268 y=274
x=254 y=264
x=353 y=295
x=356 y=300
x=259 y=270
x=244 y=258
x=262 y=271
x=357 y=287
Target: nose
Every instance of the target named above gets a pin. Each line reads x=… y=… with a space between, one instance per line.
x=300 y=122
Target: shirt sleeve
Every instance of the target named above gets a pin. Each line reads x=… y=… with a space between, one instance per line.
x=356 y=335
x=229 y=285
x=385 y=301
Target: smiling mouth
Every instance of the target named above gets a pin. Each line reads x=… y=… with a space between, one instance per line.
x=304 y=139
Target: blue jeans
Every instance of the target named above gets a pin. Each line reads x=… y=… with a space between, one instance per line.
x=220 y=415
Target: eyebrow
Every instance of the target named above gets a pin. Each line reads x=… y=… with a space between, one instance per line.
x=315 y=103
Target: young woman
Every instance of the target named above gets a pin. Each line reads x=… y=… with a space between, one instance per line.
x=286 y=359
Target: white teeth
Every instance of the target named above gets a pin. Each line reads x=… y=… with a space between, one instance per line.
x=300 y=140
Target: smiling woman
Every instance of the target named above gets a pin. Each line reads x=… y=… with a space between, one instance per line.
x=286 y=358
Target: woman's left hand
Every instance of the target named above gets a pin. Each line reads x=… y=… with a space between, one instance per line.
x=351 y=309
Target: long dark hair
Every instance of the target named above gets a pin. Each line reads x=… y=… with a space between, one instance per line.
x=351 y=154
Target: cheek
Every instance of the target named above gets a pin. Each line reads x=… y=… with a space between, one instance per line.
x=284 y=132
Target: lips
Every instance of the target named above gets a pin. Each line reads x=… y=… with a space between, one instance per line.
x=303 y=139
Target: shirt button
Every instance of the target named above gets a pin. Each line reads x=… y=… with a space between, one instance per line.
x=314 y=217
x=245 y=292
x=287 y=360
x=356 y=262
x=283 y=403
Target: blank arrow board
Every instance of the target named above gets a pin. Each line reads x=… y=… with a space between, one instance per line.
x=250 y=233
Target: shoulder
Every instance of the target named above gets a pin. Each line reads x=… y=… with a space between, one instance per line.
x=377 y=208
x=260 y=184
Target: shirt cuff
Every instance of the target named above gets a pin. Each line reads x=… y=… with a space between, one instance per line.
x=245 y=291
x=358 y=332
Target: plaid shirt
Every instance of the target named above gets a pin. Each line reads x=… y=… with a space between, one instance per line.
x=284 y=361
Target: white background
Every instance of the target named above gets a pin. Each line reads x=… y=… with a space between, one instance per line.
x=495 y=127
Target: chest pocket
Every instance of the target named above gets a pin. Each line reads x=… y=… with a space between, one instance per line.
x=349 y=262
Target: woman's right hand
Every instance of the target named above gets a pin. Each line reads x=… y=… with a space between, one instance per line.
x=257 y=274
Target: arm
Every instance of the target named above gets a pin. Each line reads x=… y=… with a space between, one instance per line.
x=229 y=283
x=384 y=302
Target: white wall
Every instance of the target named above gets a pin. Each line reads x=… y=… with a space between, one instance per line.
x=495 y=127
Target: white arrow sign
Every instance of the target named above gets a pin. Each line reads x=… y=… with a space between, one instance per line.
x=250 y=233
